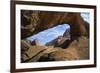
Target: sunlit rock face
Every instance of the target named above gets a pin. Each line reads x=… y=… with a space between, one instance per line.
x=77 y=50
x=72 y=44
x=33 y=22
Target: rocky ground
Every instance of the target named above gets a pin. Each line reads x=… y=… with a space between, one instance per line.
x=60 y=49
x=77 y=50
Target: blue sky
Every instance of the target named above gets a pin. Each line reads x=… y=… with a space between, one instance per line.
x=52 y=33
x=86 y=16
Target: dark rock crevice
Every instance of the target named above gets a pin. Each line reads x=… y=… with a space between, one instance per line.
x=76 y=48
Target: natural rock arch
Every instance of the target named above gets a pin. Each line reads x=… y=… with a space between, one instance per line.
x=33 y=22
x=47 y=19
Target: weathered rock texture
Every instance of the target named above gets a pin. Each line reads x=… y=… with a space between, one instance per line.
x=75 y=48
x=33 y=22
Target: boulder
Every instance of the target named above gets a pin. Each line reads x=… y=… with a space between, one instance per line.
x=60 y=41
x=32 y=53
x=82 y=47
x=64 y=55
x=25 y=45
x=77 y=50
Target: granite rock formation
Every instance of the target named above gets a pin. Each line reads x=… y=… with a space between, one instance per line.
x=33 y=22
x=60 y=49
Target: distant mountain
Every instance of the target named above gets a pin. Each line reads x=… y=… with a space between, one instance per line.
x=61 y=41
x=67 y=33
